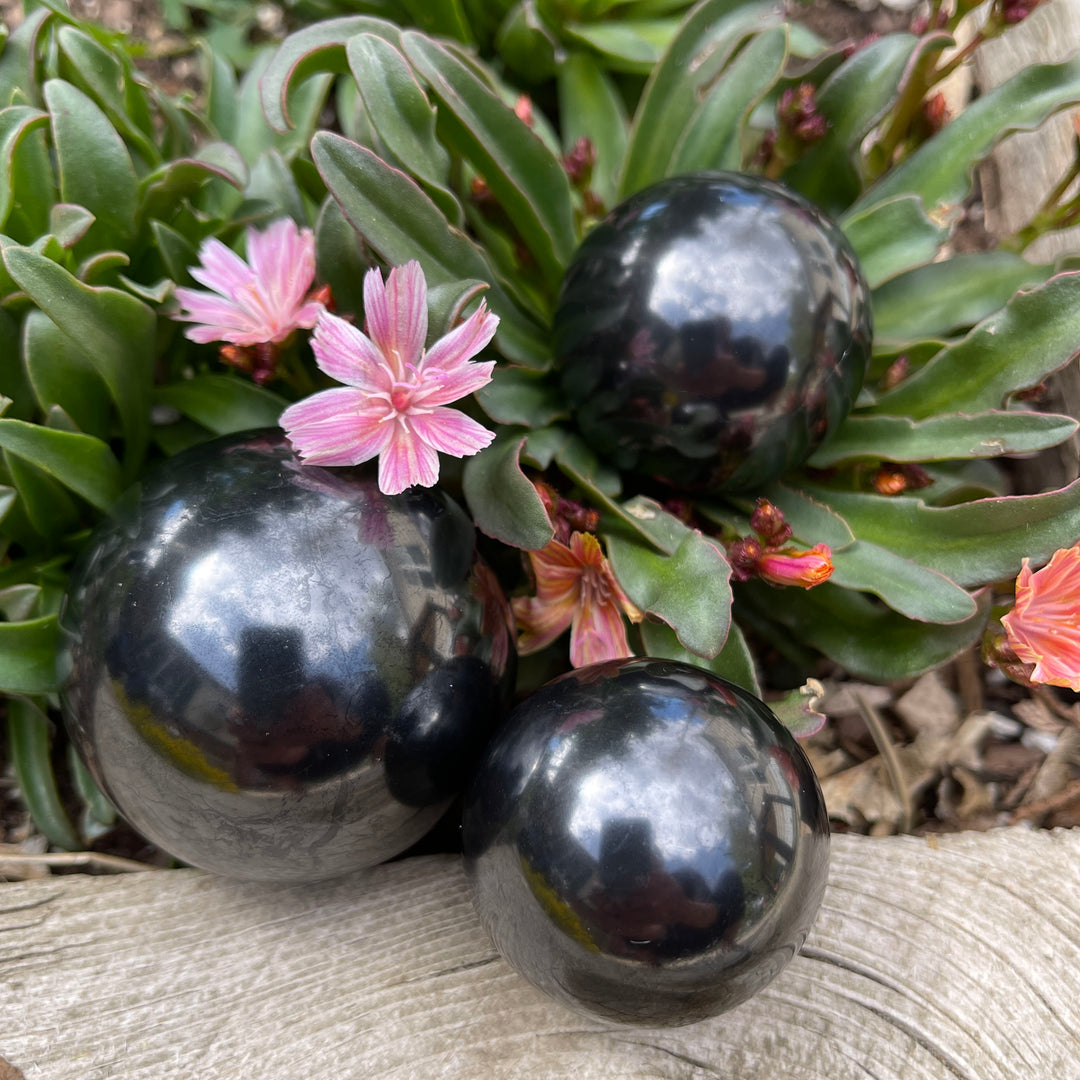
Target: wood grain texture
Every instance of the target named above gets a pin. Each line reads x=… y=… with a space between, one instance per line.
x=958 y=960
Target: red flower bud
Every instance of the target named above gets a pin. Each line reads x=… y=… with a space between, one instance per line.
x=791 y=567
x=769 y=523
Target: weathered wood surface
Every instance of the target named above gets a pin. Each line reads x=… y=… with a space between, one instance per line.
x=953 y=960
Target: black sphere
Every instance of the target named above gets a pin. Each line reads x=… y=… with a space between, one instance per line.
x=274 y=670
x=646 y=842
x=712 y=331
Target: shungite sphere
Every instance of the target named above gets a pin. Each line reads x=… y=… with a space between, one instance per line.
x=712 y=331
x=646 y=842
x=274 y=670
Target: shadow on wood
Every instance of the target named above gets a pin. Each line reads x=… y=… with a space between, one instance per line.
x=957 y=960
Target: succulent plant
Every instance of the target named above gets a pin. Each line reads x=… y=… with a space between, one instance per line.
x=109 y=187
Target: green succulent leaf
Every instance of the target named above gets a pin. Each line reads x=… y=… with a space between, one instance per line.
x=223 y=403
x=69 y=223
x=401 y=223
x=14 y=382
x=812 y=520
x=940 y=170
x=590 y=105
x=694 y=58
x=177 y=252
x=577 y=461
x=630 y=45
x=402 y=116
x=503 y=502
x=870 y=641
x=734 y=662
x=102 y=77
x=18 y=61
x=713 y=136
x=526 y=44
x=82 y=463
x=973 y=543
x=1017 y=347
x=16 y=122
x=853 y=99
x=317 y=48
x=161 y=190
x=905 y=586
x=936 y=299
x=222 y=93
x=28 y=742
x=892 y=237
x=518 y=396
x=94 y=165
x=542 y=445
x=340 y=257
x=444 y=18
x=49 y=509
x=527 y=179
x=61 y=374
x=272 y=182
x=689 y=589
x=116 y=331
x=943 y=438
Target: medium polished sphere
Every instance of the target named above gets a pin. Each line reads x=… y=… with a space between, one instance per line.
x=274 y=670
x=646 y=842
x=712 y=331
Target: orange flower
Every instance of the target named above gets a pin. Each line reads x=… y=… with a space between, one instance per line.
x=1043 y=627
x=791 y=567
x=575 y=588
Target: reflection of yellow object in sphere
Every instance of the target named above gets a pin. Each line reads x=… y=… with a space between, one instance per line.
x=178 y=751
x=558 y=910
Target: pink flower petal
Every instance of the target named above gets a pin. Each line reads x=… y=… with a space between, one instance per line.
x=440 y=387
x=463 y=342
x=222 y=269
x=283 y=260
x=337 y=427
x=541 y=622
x=347 y=355
x=406 y=461
x=598 y=633
x=451 y=431
x=395 y=314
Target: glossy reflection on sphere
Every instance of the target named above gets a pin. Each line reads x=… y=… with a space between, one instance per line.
x=712 y=330
x=274 y=670
x=646 y=842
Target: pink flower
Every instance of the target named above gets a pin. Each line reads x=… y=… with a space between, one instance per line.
x=394 y=402
x=575 y=588
x=256 y=302
x=791 y=567
x=1043 y=627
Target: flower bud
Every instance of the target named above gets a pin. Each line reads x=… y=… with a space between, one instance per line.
x=769 y=523
x=791 y=567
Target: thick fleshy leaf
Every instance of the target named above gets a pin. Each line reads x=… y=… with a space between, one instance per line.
x=61 y=373
x=517 y=396
x=853 y=99
x=317 y=48
x=400 y=222
x=82 y=463
x=527 y=179
x=696 y=55
x=503 y=502
x=16 y=122
x=161 y=190
x=972 y=543
x=583 y=466
x=940 y=170
x=69 y=223
x=445 y=18
x=590 y=105
x=689 y=589
x=943 y=438
x=933 y=300
x=50 y=511
x=905 y=586
x=893 y=236
x=811 y=519
x=272 y=182
x=177 y=252
x=102 y=77
x=223 y=403
x=542 y=445
x=402 y=116
x=340 y=258
x=527 y=45
x=116 y=330
x=94 y=165
x=633 y=46
x=870 y=641
x=734 y=662
x=712 y=139
x=18 y=59
x=222 y=92
x=28 y=738
x=14 y=383
x=1033 y=335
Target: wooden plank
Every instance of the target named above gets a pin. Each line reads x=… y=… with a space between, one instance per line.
x=952 y=960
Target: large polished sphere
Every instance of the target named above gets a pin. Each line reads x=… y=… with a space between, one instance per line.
x=274 y=670
x=646 y=842
x=712 y=330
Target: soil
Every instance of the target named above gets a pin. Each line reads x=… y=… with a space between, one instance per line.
x=959 y=748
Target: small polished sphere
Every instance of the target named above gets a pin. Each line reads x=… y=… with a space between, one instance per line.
x=274 y=670
x=712 y=331
x=646 y=842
